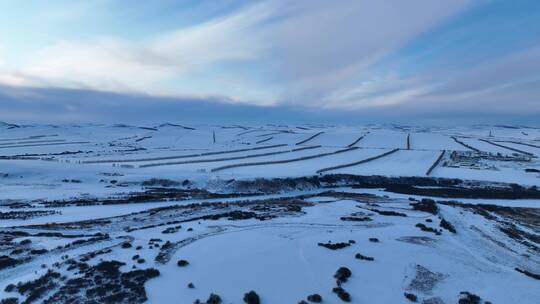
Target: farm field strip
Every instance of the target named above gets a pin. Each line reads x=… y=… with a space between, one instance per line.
x=290 y=160
x=228 y=158
x=304 y=167
x=467 y=146
x=32 y=142
x=356 y=141
x=398 y=163
x=357 y=162
x=309 y=138
x=385 y=139
x=46 y=144
x=518 y=143
x=434 y=141
x=436 y=163
x=338 y=139
x=525 y=147
x=486 y=147
x=27 y=138
x=182 y=156
x=204 y=169
x=507 y=147
x=264 y=140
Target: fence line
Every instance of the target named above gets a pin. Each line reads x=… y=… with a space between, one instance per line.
x=436 y=163
x=464 y=144
x=506 y=147
x=518 y=143
x=282 y=161
x=46 y=144
x=264 y=140
x=309 y=138
x=178 y=156
x=227 y=158
x=356 y=141
x=358 y=162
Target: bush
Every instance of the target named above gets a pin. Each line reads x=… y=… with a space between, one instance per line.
x=342 y=275
x=360 y=256
x=315 y=298
x=182 y=263
x=411 y=297
x=342 y=294
x=448 y=226
x=251 y=298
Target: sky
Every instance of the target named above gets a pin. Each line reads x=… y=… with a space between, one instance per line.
x=353 y=60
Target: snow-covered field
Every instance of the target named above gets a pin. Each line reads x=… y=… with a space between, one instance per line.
x=104 y=214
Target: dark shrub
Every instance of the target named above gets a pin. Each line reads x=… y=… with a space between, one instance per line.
x=6 y=261
x=359 y=256
x=251 y=298
x=469 y=298
x=342 y=294
x=411 y=297
x=182 y=263
x=213 y=299
x=426 y=205
x=447 y=225
x=26 y=242
x=315 y=298
x=334 y=246
x=427 y=229
x=342 y=275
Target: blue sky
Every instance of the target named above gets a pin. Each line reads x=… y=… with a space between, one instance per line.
x=453 y=56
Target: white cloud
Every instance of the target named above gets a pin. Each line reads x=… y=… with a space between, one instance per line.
x=387 y=90
x=334 y=43
x=312 y=52
x=509 y=84
x=113 y=64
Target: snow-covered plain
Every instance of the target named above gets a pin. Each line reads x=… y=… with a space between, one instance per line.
x=247 y=206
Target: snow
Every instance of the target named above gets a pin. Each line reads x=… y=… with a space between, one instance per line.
x=286 y=263
x=401 y=163
x=300 y=168
x=278 y=257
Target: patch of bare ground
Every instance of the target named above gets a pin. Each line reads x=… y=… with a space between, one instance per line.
x=425 y=280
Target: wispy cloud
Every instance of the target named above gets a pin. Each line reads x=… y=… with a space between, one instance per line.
x=110 y=63
x=306 y=53
x=306 y=49
x=333 y=46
